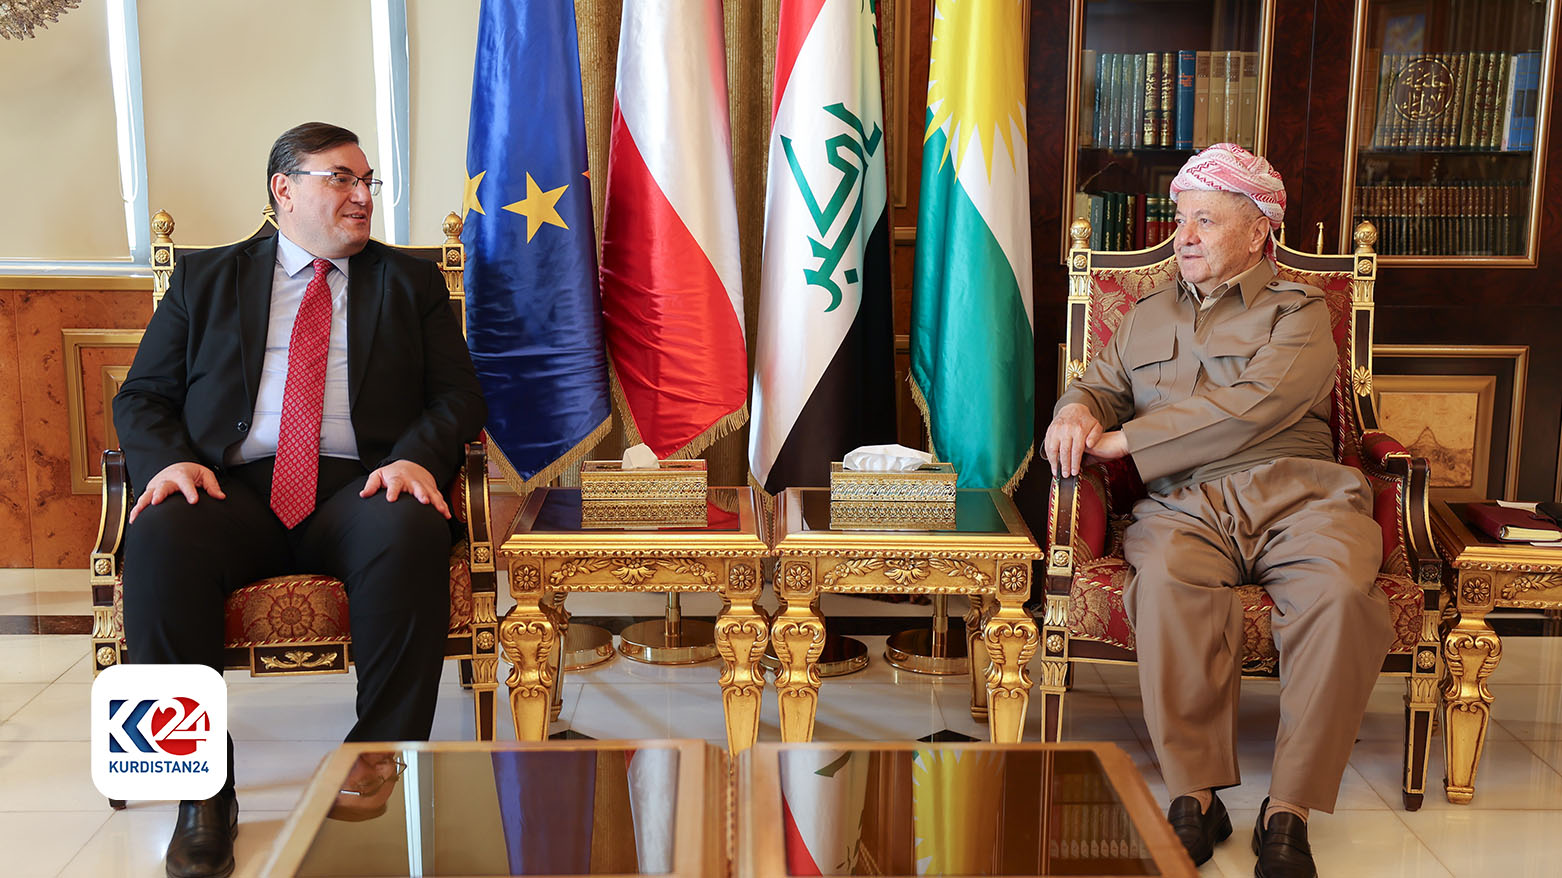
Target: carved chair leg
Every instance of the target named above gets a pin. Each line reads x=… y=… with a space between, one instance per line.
x=466 y=672
x=117 y=804
x=485 y=683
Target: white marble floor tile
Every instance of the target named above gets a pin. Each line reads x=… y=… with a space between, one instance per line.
x=271 y=775
x=618 y=671
x=61 y=712
x=291 y=709
x=1088 y=715
x=1345 y=843
x=1510 y=776
x=1475 y=843
x=47 y=776
x=863 y=712
x=38 y=845
x=14 y=696
x=132 y=843
x=30 y=658
x=1536 y=661
x=1550 y=751
x=1531 y=713
x=29 y=592
x=81 y=670
x=666 y=710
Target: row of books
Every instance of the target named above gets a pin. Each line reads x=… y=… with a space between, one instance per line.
x=1126 y=220
x=1455 y=218
x=1168 y=100
x=1453 y=100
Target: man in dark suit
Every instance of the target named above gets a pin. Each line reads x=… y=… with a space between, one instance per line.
x=296 y=405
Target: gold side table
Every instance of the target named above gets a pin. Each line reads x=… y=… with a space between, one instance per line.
x=550 y=553
x=986 y=555
x=1480 y=574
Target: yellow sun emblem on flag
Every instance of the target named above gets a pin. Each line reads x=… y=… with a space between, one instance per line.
x=955 y=799
x=977 y=76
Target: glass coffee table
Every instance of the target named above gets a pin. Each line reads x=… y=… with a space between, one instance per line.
x=875 y=808
x=479 y=808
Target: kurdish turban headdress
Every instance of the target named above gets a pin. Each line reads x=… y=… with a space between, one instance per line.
x=1226 y=167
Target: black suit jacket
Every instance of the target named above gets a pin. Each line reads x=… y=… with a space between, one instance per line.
x=191 y=391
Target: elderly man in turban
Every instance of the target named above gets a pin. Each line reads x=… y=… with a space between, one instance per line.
x=1218 y=384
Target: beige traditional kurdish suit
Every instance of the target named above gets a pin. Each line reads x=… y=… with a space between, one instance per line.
x=1224 y=403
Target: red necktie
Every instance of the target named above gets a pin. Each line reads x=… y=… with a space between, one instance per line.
x=303 y=398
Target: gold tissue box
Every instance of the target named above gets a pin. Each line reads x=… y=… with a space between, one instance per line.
x=930 y=483
x=847 y=515
x=674 y=481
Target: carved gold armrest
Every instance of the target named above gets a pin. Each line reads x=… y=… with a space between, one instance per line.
x=106 y=551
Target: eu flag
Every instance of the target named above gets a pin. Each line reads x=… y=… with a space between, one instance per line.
x=534 y=315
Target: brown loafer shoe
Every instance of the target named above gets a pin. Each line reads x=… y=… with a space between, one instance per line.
x=1282 y=848
x=202 y=845
x=1199 y=832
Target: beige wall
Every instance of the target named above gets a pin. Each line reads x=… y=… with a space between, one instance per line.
x=222 y=80
x=441 y=38
x=219 y=80
x=57 y=149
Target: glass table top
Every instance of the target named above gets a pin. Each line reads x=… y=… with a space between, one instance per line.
x=950 y=811
x=506 y=812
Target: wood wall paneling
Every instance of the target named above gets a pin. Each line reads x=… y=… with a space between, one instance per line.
x=16 y=534
x=61 y=522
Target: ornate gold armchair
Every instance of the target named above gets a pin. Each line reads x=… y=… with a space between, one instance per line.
x=298 y=624
x=1084 y=619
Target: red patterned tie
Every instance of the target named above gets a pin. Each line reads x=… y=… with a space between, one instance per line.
x=298 y=438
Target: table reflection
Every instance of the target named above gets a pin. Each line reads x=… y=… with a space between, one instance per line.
x=518 y=812
x=955 y=812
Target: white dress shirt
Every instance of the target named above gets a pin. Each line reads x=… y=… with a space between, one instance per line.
x=291 y=276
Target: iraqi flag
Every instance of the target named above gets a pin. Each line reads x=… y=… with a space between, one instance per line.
x=824 y=371
x=672 y=292
x=972 y=348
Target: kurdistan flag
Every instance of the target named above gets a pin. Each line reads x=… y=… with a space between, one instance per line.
x=824 y=368
x=972 y=328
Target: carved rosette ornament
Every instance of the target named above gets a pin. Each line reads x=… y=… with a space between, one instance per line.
x=797 y=578
x=1475 y=590
x=1014 y=579
x=524 y=578
x=107 y=655
x=742 y=579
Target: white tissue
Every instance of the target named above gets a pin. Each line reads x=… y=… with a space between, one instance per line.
x=640 y=457
x=885 y=459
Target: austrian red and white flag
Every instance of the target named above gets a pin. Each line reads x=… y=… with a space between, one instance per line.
x=672 y=293
x=824 y=369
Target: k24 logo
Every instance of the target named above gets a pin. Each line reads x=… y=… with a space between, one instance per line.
x=174 y=726
x=159 y=732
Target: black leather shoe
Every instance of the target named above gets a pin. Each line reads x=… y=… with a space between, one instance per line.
x=1282 y=848
x=202 y=846
x=1199 y=833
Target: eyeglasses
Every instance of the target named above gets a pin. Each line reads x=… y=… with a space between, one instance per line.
x=342 y=180
x=380 y=780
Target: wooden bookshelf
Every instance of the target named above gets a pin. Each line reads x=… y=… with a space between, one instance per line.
x=1445 y=150
x=1151 y=82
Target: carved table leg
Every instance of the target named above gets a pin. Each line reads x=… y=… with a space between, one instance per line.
x=983 y=606
x=1012 y=638
x=798 y=636
x=561 y=617
x=1470 y=653
x=530 y=640
x=741 y=638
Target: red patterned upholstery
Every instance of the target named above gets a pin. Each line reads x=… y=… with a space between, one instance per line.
x=304 y=609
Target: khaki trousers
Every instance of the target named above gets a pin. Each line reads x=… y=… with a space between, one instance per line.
x=1303 y=530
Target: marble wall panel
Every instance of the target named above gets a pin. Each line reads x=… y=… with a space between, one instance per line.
x=16 y=536
x=63 y=523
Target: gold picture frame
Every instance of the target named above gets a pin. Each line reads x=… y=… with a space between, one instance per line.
x=1442 y=370
x=1446 y=419
x=83 y=480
